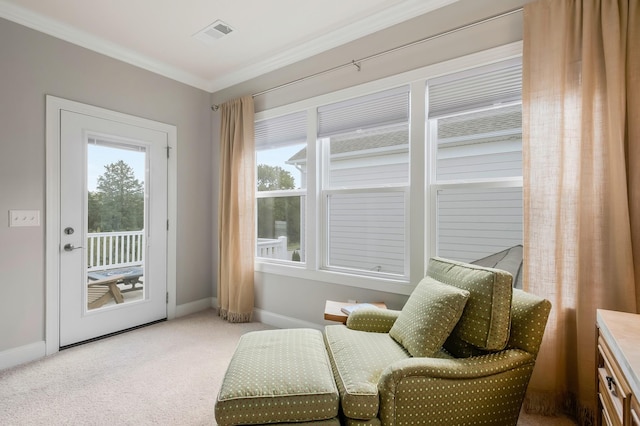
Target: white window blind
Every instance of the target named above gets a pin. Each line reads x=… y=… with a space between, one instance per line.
x=375 y=110
x=476 y=88
x=281 y=131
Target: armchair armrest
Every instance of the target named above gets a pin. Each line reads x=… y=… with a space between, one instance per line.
x=454 y=368
x=372 y=319
x=466 y=387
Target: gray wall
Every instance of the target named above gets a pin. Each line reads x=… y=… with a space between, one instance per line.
x=304 y=299
x=33 y=65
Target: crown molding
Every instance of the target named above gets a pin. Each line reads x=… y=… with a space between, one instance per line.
x=394 y=15
x=401 y=12
x=80 y=38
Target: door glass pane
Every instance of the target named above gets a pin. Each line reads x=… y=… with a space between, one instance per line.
x=115 y=223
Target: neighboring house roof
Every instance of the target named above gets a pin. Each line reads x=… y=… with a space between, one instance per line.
x=359 y=143
x=481 y=123
x=493 y=125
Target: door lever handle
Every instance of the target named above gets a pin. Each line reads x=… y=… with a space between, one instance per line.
x=70 y=247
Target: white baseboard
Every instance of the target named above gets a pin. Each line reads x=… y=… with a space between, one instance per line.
x=196 y=306
x=21 y=355
x=281 y=321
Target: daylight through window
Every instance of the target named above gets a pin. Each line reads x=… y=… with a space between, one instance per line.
x=341 y=173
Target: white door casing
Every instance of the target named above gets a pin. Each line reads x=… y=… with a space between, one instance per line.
x=80 y=121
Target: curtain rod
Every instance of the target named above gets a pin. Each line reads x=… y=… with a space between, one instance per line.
x=358 y=62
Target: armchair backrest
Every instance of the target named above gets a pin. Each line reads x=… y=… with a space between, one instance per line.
x=529 y=314
x=494 y=309
x=486 y=318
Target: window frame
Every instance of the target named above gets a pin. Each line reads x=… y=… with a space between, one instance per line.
x=420 y=190
x=282 y=193
x=326 y=189
x=436 y=185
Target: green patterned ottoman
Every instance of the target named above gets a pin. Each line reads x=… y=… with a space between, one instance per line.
x=279 y=376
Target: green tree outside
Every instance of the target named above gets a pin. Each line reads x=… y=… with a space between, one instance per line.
x=277 y=209
x=272 y=178
x=93 y=216
x=118 y=202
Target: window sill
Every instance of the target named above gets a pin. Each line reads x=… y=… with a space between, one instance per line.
x=370 y=283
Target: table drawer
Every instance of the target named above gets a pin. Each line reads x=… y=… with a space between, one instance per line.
x=612 y=407
x=614 y=391
x=617 y=368
x=606 y=418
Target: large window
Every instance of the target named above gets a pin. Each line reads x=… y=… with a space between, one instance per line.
x=362 y=190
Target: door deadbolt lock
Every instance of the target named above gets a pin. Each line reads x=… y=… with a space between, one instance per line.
x=69 y=230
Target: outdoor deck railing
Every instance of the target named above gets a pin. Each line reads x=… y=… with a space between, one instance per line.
x=272 y=248
x=109 y=250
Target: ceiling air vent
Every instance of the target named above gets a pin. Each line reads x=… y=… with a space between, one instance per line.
x=213 y=32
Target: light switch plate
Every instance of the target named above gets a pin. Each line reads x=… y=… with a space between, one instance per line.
x=24 y=218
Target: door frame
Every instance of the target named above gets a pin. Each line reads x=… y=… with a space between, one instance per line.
x=52 y=213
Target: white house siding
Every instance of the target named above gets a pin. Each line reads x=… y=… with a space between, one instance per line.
x=474 y=223
x=481 y=166
x=370 y=171
x=491 y=159
x=367 y=231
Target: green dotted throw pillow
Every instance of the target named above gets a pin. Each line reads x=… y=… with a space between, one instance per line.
x=428 y=317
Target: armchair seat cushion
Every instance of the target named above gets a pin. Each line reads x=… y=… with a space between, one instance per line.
x=358 y=359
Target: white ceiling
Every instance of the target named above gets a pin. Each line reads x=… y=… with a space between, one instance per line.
x=157 y=34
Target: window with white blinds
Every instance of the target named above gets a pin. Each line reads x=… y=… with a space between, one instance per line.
x=281 y=147
x=476 y=88
x=281 y=131
x=365 y=150
x=367 y=112
x=351 y=216
x=475 y=122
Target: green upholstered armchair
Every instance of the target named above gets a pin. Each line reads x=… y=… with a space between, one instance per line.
x=460 y=352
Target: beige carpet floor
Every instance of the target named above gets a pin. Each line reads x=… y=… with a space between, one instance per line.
x=164 y=374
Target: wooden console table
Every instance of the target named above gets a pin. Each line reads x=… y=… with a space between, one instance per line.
x=618 y=362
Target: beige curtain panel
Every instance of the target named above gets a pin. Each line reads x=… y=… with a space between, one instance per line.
x=236 y=205
x=581 y=154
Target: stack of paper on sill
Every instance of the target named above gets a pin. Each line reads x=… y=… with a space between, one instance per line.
x=350 y=308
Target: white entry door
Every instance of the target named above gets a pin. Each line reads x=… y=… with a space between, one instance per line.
x=113 y=224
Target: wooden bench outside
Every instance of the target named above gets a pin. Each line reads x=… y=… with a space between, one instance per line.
x=101 y=291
